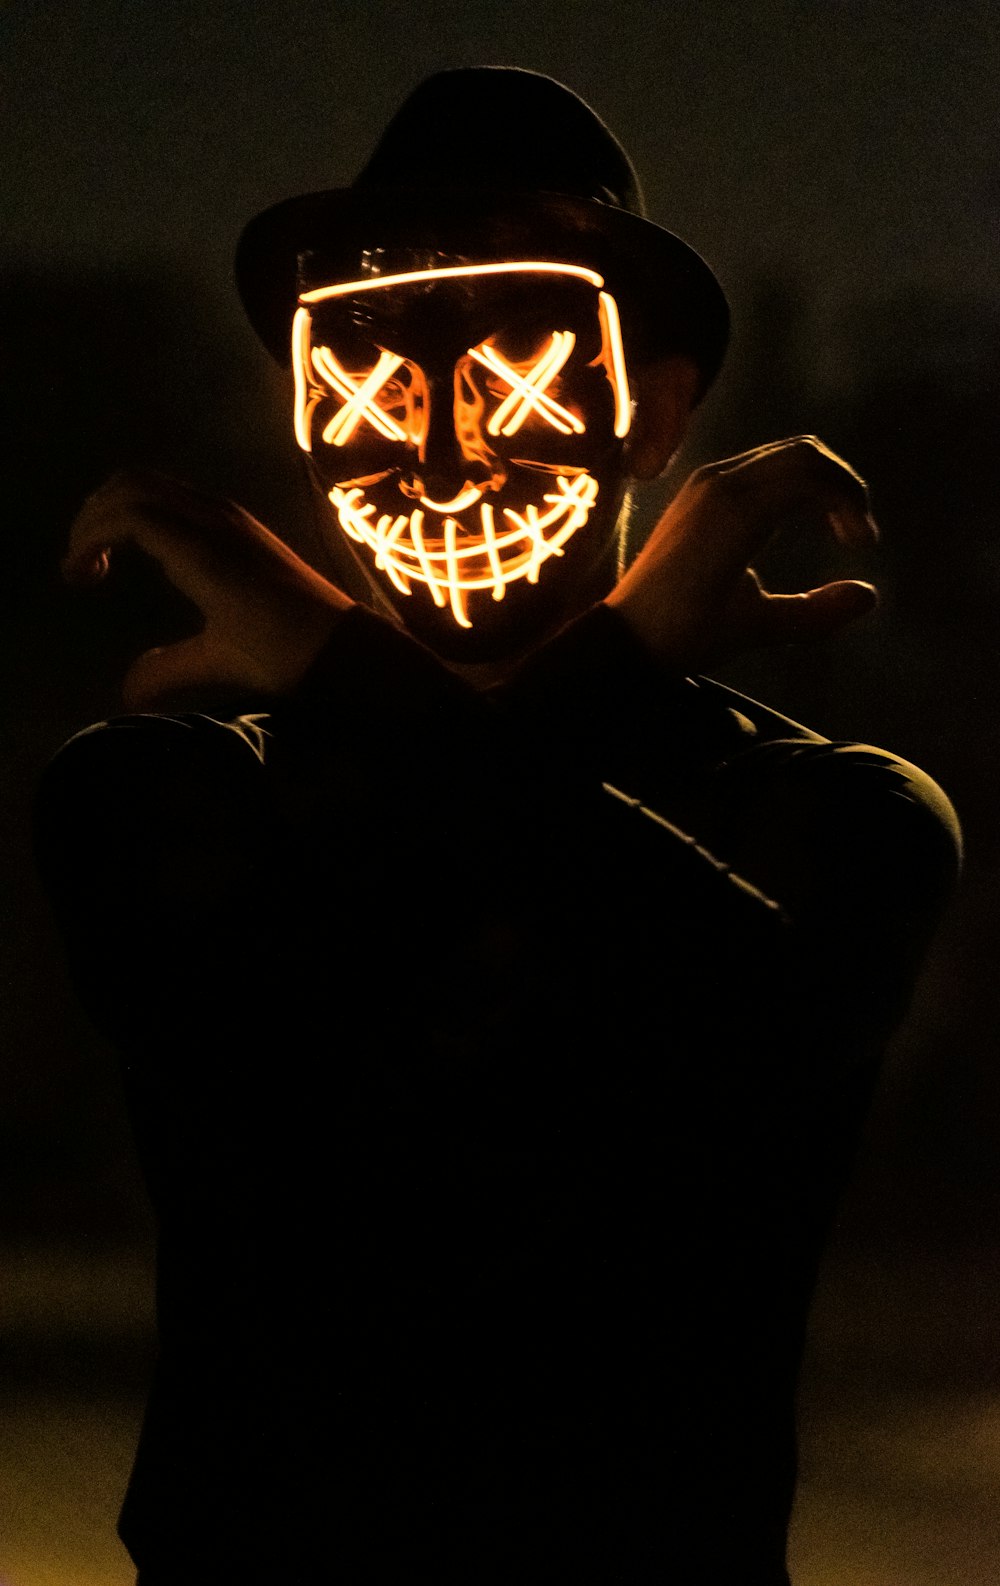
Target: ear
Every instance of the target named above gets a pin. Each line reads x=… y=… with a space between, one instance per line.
x=664 y=393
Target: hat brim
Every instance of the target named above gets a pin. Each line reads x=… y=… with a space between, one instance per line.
x=669 y=298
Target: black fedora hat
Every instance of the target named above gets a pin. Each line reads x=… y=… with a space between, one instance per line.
x=493 y=163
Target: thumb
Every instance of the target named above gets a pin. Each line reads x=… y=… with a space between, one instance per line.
x=801 y=619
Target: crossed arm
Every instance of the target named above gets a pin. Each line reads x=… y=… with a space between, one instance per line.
x=828 y=839
x=691 y=598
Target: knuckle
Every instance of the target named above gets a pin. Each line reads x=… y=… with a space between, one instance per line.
x=809 y=452
x=831 y=468
x=122 y=482
x=105 y=498
x=738 y=481
x=705 y=475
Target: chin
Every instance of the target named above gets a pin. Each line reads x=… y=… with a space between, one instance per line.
x=495 y=636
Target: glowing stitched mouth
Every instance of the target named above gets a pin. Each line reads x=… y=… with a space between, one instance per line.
x=463 y=560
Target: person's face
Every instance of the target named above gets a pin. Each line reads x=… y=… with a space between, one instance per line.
x=467 y=424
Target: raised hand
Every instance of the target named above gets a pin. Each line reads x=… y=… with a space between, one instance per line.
x=692 y=598
x=267 y=614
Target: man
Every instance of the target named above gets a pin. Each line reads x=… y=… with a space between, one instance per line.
x=498 y=1010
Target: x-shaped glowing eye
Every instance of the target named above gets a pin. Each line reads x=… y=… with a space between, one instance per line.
x=528 y=393
x=359 y=399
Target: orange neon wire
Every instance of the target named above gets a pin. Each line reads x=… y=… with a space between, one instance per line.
x=492 y=555
x=612 y=328
x=518 y=552
x=528 y=392
x=371 y=282
x=426 y=570
x=458 y=559
x=510 y=415
x=581 y=492
x=387 y=531
x=454 y=583
x=563 y=343
x=467 y=499
x=306 y=396
x=359 y=399
x=577 y=498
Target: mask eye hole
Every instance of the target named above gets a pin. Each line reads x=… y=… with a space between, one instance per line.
x=526 y=388
x=388 y=398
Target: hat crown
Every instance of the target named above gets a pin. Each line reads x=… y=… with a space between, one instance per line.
x=503 y=129
x=493 y=163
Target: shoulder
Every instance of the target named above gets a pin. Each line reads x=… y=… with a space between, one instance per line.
x=840 y=811
x=166 y=736
x=771 y=744
x=132 y=747
x=138 y=774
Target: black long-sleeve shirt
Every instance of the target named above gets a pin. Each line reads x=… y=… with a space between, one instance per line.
x=494 y=1060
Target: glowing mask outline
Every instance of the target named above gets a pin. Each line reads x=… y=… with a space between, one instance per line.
x=453 y=562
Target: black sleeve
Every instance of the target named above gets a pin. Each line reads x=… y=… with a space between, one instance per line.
x=159 y=836
x=150 y=834
x=859 y=849
x=809 y=874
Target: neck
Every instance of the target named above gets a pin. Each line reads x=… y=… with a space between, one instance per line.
x=486 y=674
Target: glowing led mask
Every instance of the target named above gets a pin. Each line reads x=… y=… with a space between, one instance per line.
x=461 y=419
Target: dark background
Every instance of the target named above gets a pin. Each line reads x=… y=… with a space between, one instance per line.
x=836 y=163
